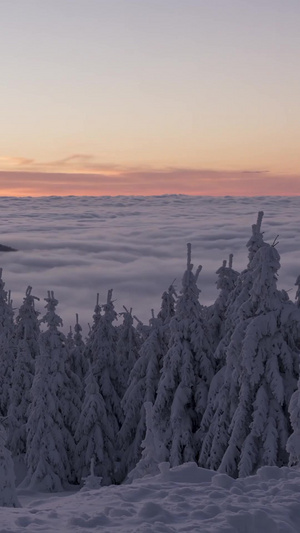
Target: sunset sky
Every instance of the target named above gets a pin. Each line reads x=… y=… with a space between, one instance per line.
x=108 y=97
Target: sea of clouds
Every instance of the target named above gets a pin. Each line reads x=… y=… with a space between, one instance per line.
x=81 y=246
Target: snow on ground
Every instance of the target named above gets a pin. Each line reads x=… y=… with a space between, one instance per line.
x=182 y=499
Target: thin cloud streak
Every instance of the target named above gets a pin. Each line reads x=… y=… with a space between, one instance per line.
x=114 y=182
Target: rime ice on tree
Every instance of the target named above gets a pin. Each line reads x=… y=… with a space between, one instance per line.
x=8 y=495
x=91 y=339
x=260 y=424
x=186 y=374
x=27 y=351
x=7 y=346
x=142 y=387
x=212 y=437
x=227 y=278
x=102 y=345
x=153 y=453
x=49 y=443
x=127 y=349
x=94 y=436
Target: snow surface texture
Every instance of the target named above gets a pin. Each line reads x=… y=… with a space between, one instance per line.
x=183 y=499
x=78 y=246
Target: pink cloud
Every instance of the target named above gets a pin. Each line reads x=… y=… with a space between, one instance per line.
x=150 y=182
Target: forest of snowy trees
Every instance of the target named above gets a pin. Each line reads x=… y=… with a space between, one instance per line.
x=217 y=385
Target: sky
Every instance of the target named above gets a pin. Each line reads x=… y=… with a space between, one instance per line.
x=136 y=97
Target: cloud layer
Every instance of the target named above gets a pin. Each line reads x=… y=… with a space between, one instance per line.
x=78 y=246
x=82 y=174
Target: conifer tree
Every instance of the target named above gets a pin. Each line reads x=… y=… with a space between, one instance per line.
x=186 y=375
x=27 y=351
x=73 y=390
x=142 y=387
x=227 y=278
x=127 y=349
x=80 y=362
x=49 y=443
x=8 y=495
x=269 y=370
x=213 y=434
x=90 y=341
x=293 y=443
x=168 y=304
x=106 y=370
x=153 y=452
x=94 y=436
x=7 y=346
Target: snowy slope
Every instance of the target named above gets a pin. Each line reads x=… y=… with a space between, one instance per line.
x=183 y=499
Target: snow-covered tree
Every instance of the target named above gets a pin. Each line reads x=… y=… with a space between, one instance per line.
x=213 y=434
x=94 y=436
x=8 y=495
x=49 y=443
x=106 y=370
x=227 y=278
x=73 y=389
x=168 y=304
x=90 y=341
x=293 y=443
x=187 y=371
x=153 y=453
x=269 y=370
x=142 y=387
x=80 y=362
x=27 y=350
x=127 y=349
x=7 y=346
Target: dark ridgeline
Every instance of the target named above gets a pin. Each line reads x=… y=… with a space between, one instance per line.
x=4 y=248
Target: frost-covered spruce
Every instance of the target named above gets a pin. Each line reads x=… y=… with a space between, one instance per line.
x=49 y=443
x=8 y=495
x=293 y=443
x=213 y=434
x=94 y=436
x=80 y=361
x=187 y=371
x=241 y=291
x=167 y=310
x=27 y=350
x=89 y=354
x=227 y=278
x=168 y=304
x=106 y=368
x=260 y=427
x=73 y=391
x=142 y=387
x=7 y=346
x=153 y=453
x=127 y=349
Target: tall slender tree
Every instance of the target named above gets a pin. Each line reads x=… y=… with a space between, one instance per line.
x=127 y=349
x=8 y=494
x=259 y=428
x=213 y=434
x=187 y=371
x=27 y=351
x=7 y=346
x=142 y=387
x=49 y=443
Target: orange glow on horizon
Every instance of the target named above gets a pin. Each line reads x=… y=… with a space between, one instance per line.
x=147 y=183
